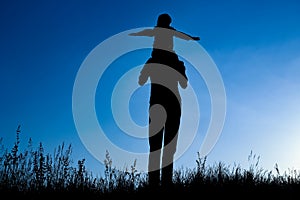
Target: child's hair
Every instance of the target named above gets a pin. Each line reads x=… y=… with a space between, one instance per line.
x=164 y=20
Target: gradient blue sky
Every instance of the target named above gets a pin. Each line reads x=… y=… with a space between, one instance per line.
x=255 y=45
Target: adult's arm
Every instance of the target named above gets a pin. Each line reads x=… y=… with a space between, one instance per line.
x=144 y=75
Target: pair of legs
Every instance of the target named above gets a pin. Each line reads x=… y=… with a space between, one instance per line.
x=167 y=58
x=163 y=142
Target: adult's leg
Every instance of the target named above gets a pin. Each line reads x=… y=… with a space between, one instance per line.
x=155 y=141
x=170 y=143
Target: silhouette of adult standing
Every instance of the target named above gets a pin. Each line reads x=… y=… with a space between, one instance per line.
x=165 y=71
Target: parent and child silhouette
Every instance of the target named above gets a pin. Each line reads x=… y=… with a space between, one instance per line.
x=166 y=73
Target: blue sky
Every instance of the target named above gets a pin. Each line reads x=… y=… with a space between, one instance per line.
x=254 y=44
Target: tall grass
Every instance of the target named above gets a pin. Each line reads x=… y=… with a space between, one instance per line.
x=35 y=173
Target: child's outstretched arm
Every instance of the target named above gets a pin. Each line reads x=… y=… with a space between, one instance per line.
x=145 y=32
x=185 y=36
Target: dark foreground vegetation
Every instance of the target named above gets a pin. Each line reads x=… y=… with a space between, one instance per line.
x=34 y=174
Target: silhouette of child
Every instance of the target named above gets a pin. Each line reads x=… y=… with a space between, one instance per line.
x=165 y=71
x=163 y=39
x=163 y=44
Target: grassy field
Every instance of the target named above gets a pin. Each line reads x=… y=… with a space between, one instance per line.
x=35 y=174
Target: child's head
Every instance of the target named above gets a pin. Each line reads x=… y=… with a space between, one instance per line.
x=164 y=20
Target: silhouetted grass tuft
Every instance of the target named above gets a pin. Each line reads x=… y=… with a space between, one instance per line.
x=36 y=174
